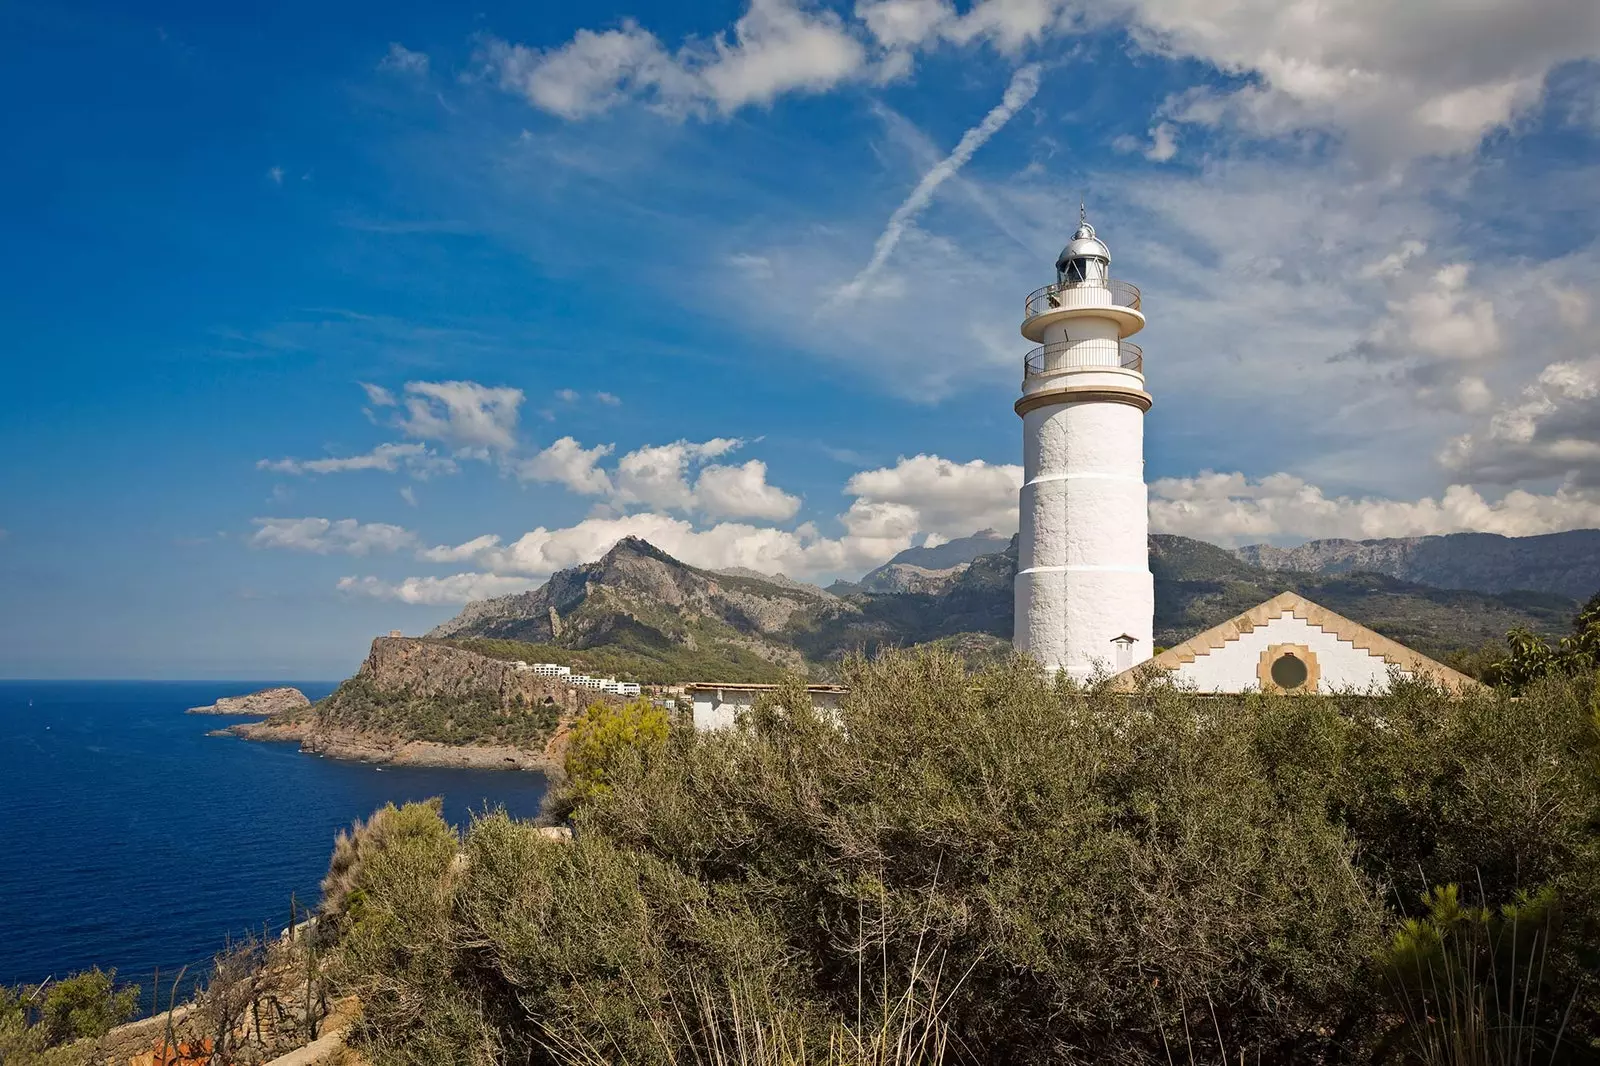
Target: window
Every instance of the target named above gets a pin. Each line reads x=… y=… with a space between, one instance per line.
x=1289 y=671
x=1289 y=668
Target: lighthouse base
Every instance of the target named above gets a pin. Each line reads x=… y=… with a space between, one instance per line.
x=1070 y=618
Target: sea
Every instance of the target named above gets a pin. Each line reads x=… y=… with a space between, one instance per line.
x=130 y=839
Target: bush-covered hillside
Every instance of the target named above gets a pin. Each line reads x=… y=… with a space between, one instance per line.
x=995 y=868
x=360 y=705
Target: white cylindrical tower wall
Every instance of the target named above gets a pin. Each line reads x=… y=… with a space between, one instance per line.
x=1083 y=569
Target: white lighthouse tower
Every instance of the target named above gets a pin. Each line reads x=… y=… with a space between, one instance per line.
x=1084 y=594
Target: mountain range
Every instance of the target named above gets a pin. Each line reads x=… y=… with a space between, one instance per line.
x=638 y=612
x=1564 y=563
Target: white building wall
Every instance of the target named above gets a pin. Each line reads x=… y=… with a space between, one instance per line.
x=1233 y=667
x=720 y=708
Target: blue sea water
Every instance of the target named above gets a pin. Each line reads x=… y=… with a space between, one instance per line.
x=131 y=839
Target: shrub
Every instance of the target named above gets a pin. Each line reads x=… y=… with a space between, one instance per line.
x=1471 y=985
x=387 y=825
x=605 y=736
x=1060 y=875
x=1531 y=657
x=86 y=1005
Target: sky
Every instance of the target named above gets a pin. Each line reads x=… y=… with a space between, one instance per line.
x=323 y=321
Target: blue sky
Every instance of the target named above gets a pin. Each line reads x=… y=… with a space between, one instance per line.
x=320 y=322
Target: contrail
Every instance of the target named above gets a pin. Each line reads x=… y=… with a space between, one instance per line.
x=1024 y=83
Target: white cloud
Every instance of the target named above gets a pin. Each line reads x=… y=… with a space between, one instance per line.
x=1024 y=84
x=1444 y=320
x=802 y=552
x=418 y=460
x=345 y=536
x=924 y=494
x=409 y=494
x=1162 y=146
x=742 y=492
x=377 y=395
x=657 y=475
x=567 y=395
x=568 y=463
x=275 y=175
x=665 y=476
x=902 y=25
x=402 y=60
x=1550 y=430
x=608 y=399
x=948 y=498
x=905 y=23
x=1232 y=509
x=776 y=47
x=1392 y=264
x=436 y=591
x=1429 y=77
x=462 y=413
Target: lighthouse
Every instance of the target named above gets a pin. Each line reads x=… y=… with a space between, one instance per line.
x=1085 y=599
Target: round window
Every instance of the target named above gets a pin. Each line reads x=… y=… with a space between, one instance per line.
x=1289 y=671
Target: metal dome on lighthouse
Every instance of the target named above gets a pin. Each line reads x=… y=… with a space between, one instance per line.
x=1086 y=257
x=1085 y=599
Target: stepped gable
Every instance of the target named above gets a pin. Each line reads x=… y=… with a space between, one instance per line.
x=1249 y=648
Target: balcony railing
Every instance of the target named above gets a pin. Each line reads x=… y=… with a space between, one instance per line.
x=1071 y=294
x=1050 y=358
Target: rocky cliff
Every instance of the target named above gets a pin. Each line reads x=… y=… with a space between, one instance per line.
x=425 y=702
x=1567 y=564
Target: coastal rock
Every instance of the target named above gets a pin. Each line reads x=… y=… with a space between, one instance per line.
x=425 y=703
x=351 y=745
x=281 y=700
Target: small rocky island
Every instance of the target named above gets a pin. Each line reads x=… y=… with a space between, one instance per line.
x=280 y=700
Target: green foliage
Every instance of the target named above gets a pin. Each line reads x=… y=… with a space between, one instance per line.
x=384 y=830
x=37 y=1022
x=466 y=719
x=397 y=950
x=606 y=736
x=1531 y=657
x=1472 y=985
x=86 y=1004
x=1067 y=875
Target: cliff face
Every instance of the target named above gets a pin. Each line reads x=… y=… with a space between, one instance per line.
x=425 y=669
x=1567 y=564
x=426 y=703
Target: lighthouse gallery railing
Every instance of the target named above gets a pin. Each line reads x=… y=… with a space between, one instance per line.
x=1049 y=358
x=1082 y=294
